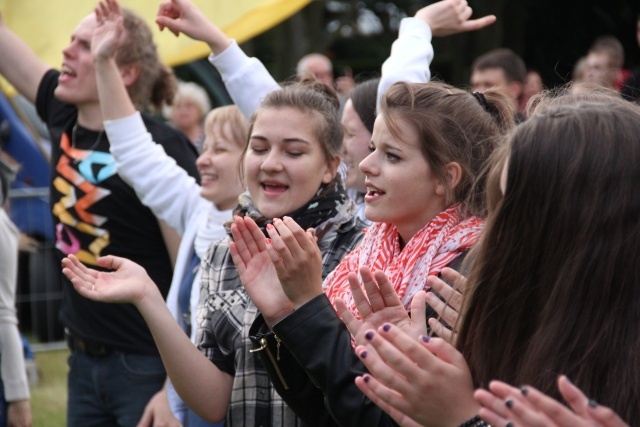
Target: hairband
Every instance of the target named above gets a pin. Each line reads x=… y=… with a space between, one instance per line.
x=479 y=96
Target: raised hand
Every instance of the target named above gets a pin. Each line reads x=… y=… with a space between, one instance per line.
x=448 y=17
x=257 y=273
x=127 y=283
x=528 y=407
x=110 y=32
x=449 y=309
x=182 y=16
x=297 y=259
x=380 y=305
x=417 y=382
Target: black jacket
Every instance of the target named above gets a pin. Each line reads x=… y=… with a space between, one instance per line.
x=312 y=365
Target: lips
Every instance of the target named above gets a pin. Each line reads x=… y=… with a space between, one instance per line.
x=207 y=178
x=273 y=187
x=66 y=73
x=373 y=192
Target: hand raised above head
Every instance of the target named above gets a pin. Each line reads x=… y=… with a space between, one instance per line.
x=110 y=33
x=127 y=283
x=257 y=273
x=182 y=16
x=448 y=17
x=297 y=259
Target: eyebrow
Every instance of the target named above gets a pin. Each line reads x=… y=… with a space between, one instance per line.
x=286 y=140
x=386 y=146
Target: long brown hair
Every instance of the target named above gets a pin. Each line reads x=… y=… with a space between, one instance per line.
x=454 y=126
x=555 y=286
x=156 y=85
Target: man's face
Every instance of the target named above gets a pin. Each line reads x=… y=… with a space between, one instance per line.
x=321 y=70
x=598 y=69
x=482 y=80
x=77 y=81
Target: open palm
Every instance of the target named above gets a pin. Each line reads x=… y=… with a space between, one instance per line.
x=127 y=283
x=257 y=272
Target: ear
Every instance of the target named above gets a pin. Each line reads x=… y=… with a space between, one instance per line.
x=332 y=169
x=452 y=175
x=129 y=74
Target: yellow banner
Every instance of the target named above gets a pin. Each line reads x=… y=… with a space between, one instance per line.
x=46 y=25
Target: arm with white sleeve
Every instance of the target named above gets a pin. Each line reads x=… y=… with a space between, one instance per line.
x=412 y=52
x=246 y=79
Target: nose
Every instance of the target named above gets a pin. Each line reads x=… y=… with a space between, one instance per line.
x=272 y=162
x=69 y=50
x=368 y=165
x=203 y=159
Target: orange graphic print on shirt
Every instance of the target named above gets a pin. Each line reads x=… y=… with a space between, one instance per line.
x=79 y=232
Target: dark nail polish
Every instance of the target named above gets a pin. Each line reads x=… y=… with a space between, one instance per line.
x=509 y=424
x=366 y=378
x=369 y=336
x=386 y=327
x=363 y=355
x=425 y=338
x=524 y=391
x=593 y=403
x=509 y=403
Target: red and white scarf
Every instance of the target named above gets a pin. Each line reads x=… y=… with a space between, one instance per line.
x=430 y=250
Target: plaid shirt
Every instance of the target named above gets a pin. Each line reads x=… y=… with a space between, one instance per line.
x=224 y=317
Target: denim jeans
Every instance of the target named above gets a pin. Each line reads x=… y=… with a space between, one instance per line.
x=111 y=390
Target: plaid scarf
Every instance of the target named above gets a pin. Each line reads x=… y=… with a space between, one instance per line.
x=431 y=249
x=330 y=206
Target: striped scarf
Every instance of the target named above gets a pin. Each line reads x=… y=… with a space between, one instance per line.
x=431 y=249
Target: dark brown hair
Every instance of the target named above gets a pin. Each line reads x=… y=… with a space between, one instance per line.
x=555 y=286
x=453 y=127
x=507 y=60
x=364 y=97
x=156 y=85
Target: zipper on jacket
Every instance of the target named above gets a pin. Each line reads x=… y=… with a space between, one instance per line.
x=265 y=347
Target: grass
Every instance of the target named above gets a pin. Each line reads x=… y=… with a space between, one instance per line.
x=49 y=396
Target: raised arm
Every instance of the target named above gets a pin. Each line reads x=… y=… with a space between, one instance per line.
x=199 y=382
x=143 y=164
x=114 y=99
x=412 y=53
x=246 y=79
x=20 y=65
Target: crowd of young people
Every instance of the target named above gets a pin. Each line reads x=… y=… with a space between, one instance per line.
x=320 y=298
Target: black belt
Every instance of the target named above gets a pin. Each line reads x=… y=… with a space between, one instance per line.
x=81 y=346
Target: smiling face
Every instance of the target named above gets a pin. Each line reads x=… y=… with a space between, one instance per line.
x=218 y=167
x=285 y=164
x=402 y=188
x=355 y=146
x=77 y=81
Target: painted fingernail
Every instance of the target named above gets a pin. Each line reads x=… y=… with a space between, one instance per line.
x=363 y=355
x=524 y=391
x=593 y=403
x=425 y=338
x=268 y=240
x=386 y=327
x=269 y=227
x=369 y=336
x=366 y=378
x=509 y=403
